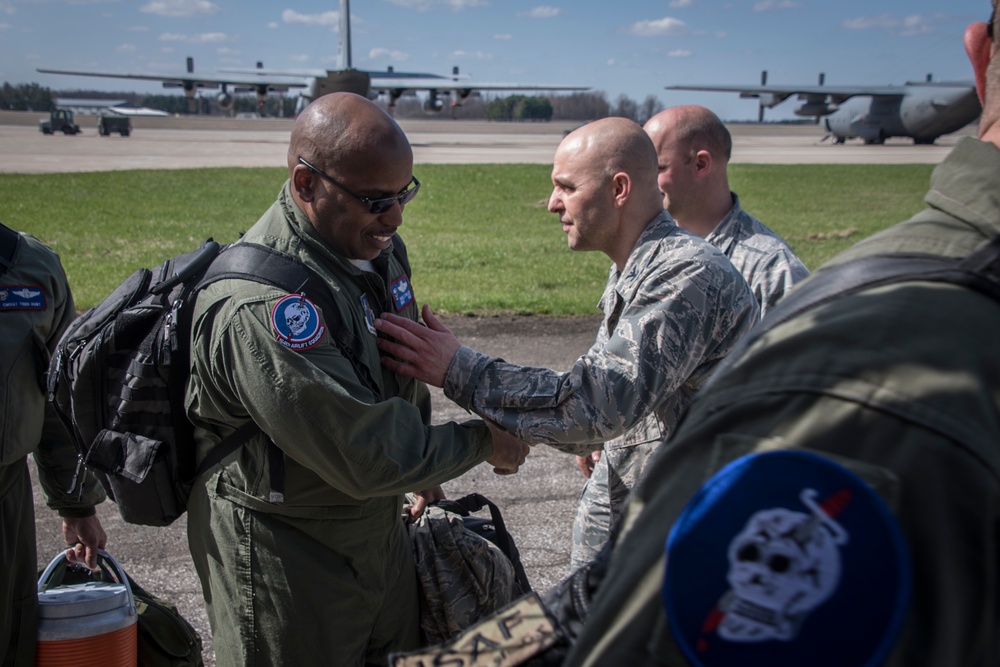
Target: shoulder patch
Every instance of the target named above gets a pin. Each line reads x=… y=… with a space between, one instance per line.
x=21 y=297
x=775 y=556
x=296 y=322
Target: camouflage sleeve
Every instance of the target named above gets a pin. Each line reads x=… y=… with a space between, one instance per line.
x=776 y=275
x=680 y=317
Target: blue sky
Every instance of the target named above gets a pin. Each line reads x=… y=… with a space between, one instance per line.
x=630 y=47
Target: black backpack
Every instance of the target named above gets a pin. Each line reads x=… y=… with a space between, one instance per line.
x=118 y=375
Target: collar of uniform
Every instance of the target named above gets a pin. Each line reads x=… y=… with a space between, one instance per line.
x=657 y=228
x=725 y=233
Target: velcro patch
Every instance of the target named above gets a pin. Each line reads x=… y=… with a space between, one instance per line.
x=776 y=557
x=402 y=292
x=21 y=297
x=296 y=322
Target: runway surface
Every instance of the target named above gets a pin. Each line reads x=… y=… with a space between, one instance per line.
x=178 y=143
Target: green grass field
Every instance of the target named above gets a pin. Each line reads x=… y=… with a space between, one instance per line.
x=480 y=238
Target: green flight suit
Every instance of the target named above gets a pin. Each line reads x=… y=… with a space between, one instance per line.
x=327 y=575
x=900 y=384
x=36 y=306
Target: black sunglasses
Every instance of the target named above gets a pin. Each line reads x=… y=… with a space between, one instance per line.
x=375 y=206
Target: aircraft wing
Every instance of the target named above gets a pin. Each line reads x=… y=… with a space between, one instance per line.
x=770 y=95
x=191 y=80
x=316 y=73
x=448 y=84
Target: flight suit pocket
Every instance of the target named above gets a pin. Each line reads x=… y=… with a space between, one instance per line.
x=22 y=399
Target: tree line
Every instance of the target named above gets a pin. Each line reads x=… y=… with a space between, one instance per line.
x=578 y=106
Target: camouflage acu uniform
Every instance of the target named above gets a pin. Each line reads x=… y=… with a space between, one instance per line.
x=676 y=309
x=771 y=268
x=763 y=257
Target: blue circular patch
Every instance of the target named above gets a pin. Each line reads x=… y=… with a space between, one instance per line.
x=296 y=322
x=786 y=558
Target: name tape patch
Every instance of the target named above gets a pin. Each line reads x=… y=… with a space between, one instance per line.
x=21 y=297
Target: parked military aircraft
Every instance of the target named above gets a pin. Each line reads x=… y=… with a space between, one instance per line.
x=315 y=83
x=921 y=110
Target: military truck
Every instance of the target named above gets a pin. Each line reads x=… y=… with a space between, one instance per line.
x=60 y=120
x=109 y=123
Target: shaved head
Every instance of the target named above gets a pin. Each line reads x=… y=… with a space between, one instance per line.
x=342 y=129
x=612 y=145
x=691 y=128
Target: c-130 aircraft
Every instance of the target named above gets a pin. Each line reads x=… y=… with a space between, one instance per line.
x=315 y=83
x=922 y=111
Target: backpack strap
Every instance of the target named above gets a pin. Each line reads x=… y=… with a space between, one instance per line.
x=473 y=503
x=9 y=240
x=260 y=264
x=979 y=271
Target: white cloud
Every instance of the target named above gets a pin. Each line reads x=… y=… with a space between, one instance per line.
x=658 y=27
x=541 y=12
x=7 y=7
x=678 y=53
x=203 y=38
x=397 y=56
x=767 y=5
x=505 y=36
x=324 y=19
x=126 y=48
x=915 y=24
x=180 y=8
x=273 y=24
x=226 y=51
x=472 y=55
x=300 y=58
x=138 y=28
x=678 y=4
x=5 y=26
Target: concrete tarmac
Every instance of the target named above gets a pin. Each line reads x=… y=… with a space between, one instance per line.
x=539 y=503
x=180 y=143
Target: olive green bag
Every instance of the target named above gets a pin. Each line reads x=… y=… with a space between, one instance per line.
x=164 y=637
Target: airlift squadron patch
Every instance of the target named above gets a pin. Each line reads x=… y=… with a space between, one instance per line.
x=296 y=322
x=786 y=558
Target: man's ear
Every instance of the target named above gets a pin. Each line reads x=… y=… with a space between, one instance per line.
x=623 y=188
x=302 y=182
x=979 y=48
x=703 y=162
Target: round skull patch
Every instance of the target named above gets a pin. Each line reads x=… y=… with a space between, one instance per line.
x=296 y=322
x=786 y=558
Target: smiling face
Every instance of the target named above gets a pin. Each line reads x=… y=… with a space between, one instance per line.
x=583 y=197
x=344 y=221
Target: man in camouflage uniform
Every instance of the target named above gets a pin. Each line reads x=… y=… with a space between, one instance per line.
x=304 y=521
x=693 y=149
x=673 y=307
x=900 y=384
x=36 y=306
